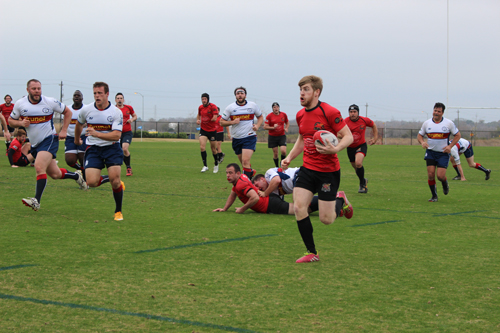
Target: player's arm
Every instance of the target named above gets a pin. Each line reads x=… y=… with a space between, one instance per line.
x=228 y=132
x=133 y=118
x=110 y=136
x=260 y=120
x=253 y=198
x=375 y=135
x=10 y=154
x=78 y=133
x=267 y=127
x=287 y=125
x=298 y=147
x=229 y=202
x=4 y=127
x=225 y=123
x=422 y=142
x=273 y=185
x=447 y=149
x=66 y=121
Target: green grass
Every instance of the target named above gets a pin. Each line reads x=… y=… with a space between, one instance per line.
x=400 y=264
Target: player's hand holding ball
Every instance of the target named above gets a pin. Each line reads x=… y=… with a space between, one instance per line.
x=325 y=142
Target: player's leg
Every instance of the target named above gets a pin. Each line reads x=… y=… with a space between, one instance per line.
x=43 y=160
x=117 y=186
x=213 y=147
x=478 y=166
x=203 y=143
x=275 y=156
x=61 y=173
x=431 y=179
x=246 y=156
x=248 y=146
x=360 y=172
x=283 y=151
x=93 y=176
x=301 y=199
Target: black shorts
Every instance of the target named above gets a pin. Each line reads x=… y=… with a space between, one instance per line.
x=219 y=137
x=351 y=152
x=126 y=137
x=209 y=135
x=326 y=184
x=22 y=161
x=12 y=129
x=277 y=205
x=276 y=141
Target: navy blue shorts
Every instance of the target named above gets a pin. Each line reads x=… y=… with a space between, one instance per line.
x=469 y=152
x=436 y=158
x=71 y=148
x=97 y=157
x=245 y=143
x=326 y=184
x=50 y=144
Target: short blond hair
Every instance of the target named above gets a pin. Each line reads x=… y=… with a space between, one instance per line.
x=315 y=81
x=19 y=132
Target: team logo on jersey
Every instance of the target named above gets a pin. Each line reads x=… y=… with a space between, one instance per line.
x=90 y=118
x=326 y=187
x=110 y=119
x=45 y=110
x=24 y=112
x=362 y=127
x=319 y=126
x=60 y=105
x=337 y=120
x=444 y=128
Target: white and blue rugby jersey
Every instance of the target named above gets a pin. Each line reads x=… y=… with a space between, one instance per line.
x=461 y=146
x=438 y=134
x=287 y=178
x=105 y=121
x=74 y=119
x=246 y=113
x=40 y=116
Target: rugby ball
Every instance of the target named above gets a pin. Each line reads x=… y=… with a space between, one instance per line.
x=320 y=136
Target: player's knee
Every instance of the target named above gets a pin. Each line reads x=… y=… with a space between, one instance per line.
x=326 y=218
x=359 y=165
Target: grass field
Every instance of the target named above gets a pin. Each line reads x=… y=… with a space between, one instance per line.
x=173 y=265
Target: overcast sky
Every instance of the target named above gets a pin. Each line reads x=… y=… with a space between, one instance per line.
x=391 y=54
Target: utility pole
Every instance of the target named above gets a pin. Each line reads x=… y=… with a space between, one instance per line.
x=366 y=114
x=458 y=118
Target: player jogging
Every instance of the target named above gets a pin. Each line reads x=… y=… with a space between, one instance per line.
x=35 y=113
x=463 y=146
x=73 y=153
x=104 y=126
x=129 y=116
x=277 y=124
x=320 y=172
x=438 y=147
x=356 y=152
x=240 y=116
x=5 y=111
x=207 y=119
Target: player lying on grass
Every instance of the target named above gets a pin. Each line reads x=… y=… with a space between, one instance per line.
x=18 y=152
x=465 y=147
x=248 y=194
x=280 y=182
